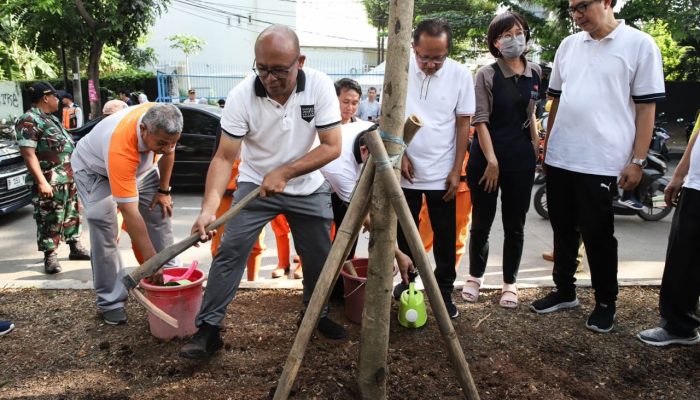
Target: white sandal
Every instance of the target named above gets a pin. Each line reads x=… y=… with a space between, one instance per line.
x=509 y=296
x=470 y=290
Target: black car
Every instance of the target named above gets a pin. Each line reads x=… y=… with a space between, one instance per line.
x=195 y=148
x=14 y=193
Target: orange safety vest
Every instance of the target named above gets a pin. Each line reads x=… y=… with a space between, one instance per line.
x=69 y=119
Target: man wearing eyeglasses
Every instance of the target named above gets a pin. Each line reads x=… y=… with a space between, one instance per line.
x=605 y=83
x=277 y=114
x=441 y=93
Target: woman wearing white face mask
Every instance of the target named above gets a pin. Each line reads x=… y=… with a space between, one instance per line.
x=503 y=153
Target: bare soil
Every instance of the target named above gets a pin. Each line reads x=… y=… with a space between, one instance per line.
x=60 y=349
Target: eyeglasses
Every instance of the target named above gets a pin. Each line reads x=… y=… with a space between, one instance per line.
x=278 y=73
x=509 y=36
x=434 y=60
x=581 y=7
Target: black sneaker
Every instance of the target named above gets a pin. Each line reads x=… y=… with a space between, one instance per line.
x=602 y=318
x=203 y=344
x=115 y=317
x=553 y=301
x=330 y=329
x=451 y=307
x=51 y=264
x=78 y=252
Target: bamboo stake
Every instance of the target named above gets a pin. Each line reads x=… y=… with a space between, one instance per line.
x=374 y=343
x=344 y=237
x=398 y=201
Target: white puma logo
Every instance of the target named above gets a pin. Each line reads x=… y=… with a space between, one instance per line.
x=607 y=187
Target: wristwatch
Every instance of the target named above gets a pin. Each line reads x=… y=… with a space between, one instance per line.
x=163 y=191
x=640 y=162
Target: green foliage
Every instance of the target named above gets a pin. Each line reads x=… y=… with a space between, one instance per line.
x=671 y=52
x=20 y=61
x=189 y=44
x=682 y=21
x=468 y=18
x=133 y=80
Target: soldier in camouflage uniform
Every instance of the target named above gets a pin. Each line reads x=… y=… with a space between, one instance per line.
x=46 y=148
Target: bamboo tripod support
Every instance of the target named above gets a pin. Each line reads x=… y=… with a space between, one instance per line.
x=344 y=237
x=398 y=201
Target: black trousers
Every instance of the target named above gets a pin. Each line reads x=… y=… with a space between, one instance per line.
x=340 y=208
x=516 y=190
x=443 y=220
x=580 y=206
x=680 y=286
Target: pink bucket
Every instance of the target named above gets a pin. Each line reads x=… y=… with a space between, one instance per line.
x=180 y=302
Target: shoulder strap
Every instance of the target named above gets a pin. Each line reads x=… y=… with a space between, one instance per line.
x=517 y=97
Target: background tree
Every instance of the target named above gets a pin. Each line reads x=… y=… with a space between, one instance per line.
x=682 y=21
x=19 y=61
x=190 y=45
x=469 y=20
x=85 y=27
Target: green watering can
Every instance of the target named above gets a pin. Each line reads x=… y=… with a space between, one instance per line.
x=412 y=312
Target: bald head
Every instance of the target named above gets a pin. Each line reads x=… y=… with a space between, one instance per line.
x=281 y=36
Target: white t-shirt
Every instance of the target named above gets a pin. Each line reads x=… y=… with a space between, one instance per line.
x=343 y=172
x=437 y=100
x=277 y=134
x=598 y=83
x=692 y=181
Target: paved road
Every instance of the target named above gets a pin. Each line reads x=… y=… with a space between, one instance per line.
x=642 y=247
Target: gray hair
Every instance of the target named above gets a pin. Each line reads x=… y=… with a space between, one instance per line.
x=163 y=117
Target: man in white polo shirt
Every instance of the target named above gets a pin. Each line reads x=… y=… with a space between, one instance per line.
x=605 y=84
x=278 y=113
x=441 y=93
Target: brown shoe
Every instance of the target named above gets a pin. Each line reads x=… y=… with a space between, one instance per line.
x=279 y=272
x=548 y=255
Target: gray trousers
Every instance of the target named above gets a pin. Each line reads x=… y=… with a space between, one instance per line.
x=309 y=220
x=101 y=214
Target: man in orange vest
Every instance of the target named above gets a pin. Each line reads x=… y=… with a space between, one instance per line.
x=72 y=114
x=126 y=161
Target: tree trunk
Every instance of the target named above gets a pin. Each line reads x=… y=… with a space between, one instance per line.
x=374 y=345
x=94 y=76
x=77 y=88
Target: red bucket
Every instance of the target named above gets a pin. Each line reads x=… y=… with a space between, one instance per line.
x=354 y=289
x=180 y=302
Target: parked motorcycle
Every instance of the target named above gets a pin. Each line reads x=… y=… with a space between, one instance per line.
x=650 y=192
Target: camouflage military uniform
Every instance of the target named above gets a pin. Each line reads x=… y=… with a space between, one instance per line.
x=57 y=217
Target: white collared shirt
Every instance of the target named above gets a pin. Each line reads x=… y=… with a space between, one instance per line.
x=437 y=100
x=598 y=83
x=343 y=172
x=277 y=134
